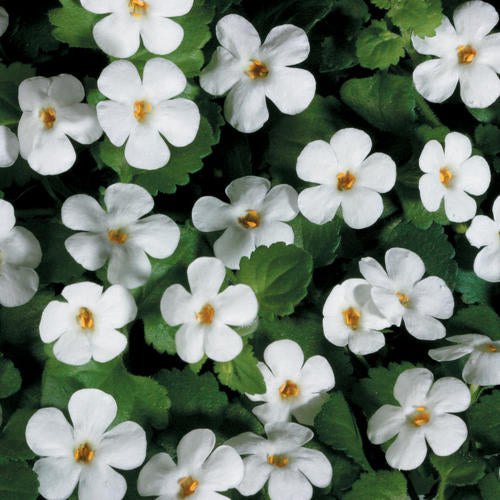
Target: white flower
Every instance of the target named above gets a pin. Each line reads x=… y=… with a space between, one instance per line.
x=200 y=473
x=139 y=112
x=351 y=318
x=84 y=453
x=483 y=365
x=254 y=217
x=292 y=386
x=485 y=232
x=401 y=293
x=20 y=253
x=119 y=34
x=465 y=54
x=52 y=110
x=451 y=174
x=9 y=147
x=282 y=458
x=119 y=234
x=4 y=20
x=252 y=71
x=205 y=313
x=424 y=415
x=85 y=326
x=347 y=177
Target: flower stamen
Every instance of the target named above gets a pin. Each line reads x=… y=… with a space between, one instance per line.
x=289 y=390
x=277 y=460
x=84 y=454
x=445 y=176
x=137 y=8
x=351 y=317
x=491 y=348
x=48 y=117
x=119 y=236
x=403 y=299
x=206 y=315
x=257 y=70
x=85 y=318
x=141 y=109
x=251 y=220
x=421 y=416
x=188 y=486
x=345 y=181
x=466 y=54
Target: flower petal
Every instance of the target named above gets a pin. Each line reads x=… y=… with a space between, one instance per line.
x=21 y=248
x=351 y=147
x=127 y=202
x=459 y=206
x=178 y=120
x=486 y=264
x=73 y=348
x=189 y=342
x=101 y=481
x=238 y=36
x=314 y=465
x=116 y=307
x=269 y=413
x=162 y=80
x=9 y=147
x=441 y=44
x=412 y=386
x=450 y=353
x=161 y=35
x=385 y=423
x=423 y=327
x=117 y=35
x=33 y=92
x=483 y=368
x=474 y=176
x=273 y=232
x=129 y=266
x=319 y=204
x=288 y=483
x=107 y=345
x=285 y=45
x=448 y=394
x=479 y=86
x=378 y=172
x=205 y=276
x=488 y=52
x=280 y=203
x=288 y=435
x=482 y=231
x=120 y=81
x=177 y=305
x=474 y=20
x=445 y=434
x=374 y=273
x=257 y=472
x=89 y=250
x=222 y=343
x=116 y=119
x=17 y=285
x=457 y=148
x=433 y=297
x=52 y=154
x=55 y=321
x=194 y=448
x=154 y=476
x=58 y=476
x=431 y=192
x=436 y=79
x=233 y=245
x=408 y=450
x=317 y=375
x=317 y=163
x=82 y=213
x=404 y=267
x=223 y=469
x=222 y=73
x=361 y=207
x=236 y=305
x=366 y=341
x=211 y=214
x=79 y=121
x=146 y=148
x=432 y=157
x=285 y=358
x=249 y=190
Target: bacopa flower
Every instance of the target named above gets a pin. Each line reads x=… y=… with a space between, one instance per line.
x=252 y=71
x=292 y=386
x=283 y=460
x=20 y=253
x=485 y=232
x=201 y=472
x=121 y=234
x=483 y=365
x=424 y=416
x=139 y=112
x=119 y=34
x=9 y=147
x=466 y=54
x=254 y=217
x=347 y=177
x=52 y=111
x=85 y=326
x=400 y=293
x=351 y=318
x=84 y=454
x=4 y=20
x=451 y=174
x=205 y=313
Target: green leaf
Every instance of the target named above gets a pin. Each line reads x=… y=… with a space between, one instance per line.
x=484 y=423
x=187 y=160
x=17 y=481
x=10 y=78
x=459 y=469
x=382 y=485
x=320 y=241
x=490 y=486
x=474 y=289
x=385 y=101
x=419 y=16
x=476 y=319
x=241 y=374
x=10 y=378
x=337 y=428
x=73 y=24
x=487 y=138
x=279 y=276
x=114 y=157
x=12 y=440
x=140 y=399
x=431 y=245
x=379 y=48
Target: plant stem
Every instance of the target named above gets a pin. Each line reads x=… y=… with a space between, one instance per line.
x=426 y=111
x=440 y=491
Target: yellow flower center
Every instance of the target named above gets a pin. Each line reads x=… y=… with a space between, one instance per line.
x=289 y=390
x=188 y=486
x=206 y=315
x=491 y=348
x=48 y=117
x=137 y=8
x=277 y=460
x=345 y=181
x=84 y=454
x=403 y=299
x=420 y=417
x=351 y=317
x=466 y=54
x=257 y=70
x=85 y=318
x=251 y=220
x=141 y=109
x=445 y=176
x=119 y=236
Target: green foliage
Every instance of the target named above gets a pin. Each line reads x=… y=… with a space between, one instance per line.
x=382 y=485
x=241 y=374
x=490 y=486
x=419 y=16
x=17 y=481
x=459 y=469
x=487 y=138
x=474 y=289
x=476 y=319
x=384 y=100
x=379 y=48
x=484 y=426
x=279 y=276
x=10 y=378
x=12 y=441
x=10 y=78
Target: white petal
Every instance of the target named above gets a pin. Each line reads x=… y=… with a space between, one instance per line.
x=129 y=266
x=178 y=120
x=206 y=275
x=238 y=36
x=91 y=411
x=290 y=89
x=448 y=394
x=423 y=327
x=285 y=45
x=101 y=481
x=457 y=148
x=314 y=465
x=408 y=450
x=366 y=341
x=335 y=330
x=317 y=163
x=7 y=218
x=436 y=79
x=319 y=204
x=236 y=305
x=248 y=443
x=9 y=147
x=361 y=207
x=288 y=435
x=482 y=368
x=306 y=413
x=66 y=90
x=116 y=307
x=496 y=210
x=211 y=214
x=4 y=20
x=107 y=345
x=162 y=80
x=146 y=149
x=351 y=146
x=388 y=304
x=223 y=469
x=431 y=191
x=52 y=154
x=127 y=202
x=89 y=250
x=79 y=121
x=269 y=413
x=222 y=343
x=474 y=176
x=117 y=35
x=280 y=203
x=287 y=483
x=194 y=448
x=160 y=35
x=474 y=20
x=450 y=353
x=412 y=386
x=170 y=9
x=432 y=297
x=73 y=348
x=479 y=86
x=385 y=423
x=99 y=6
x=57 y=476
x=432 y=157
x=55 y=321
x=222 y=73
x=17 y=285
x=378 y=172
x=120 y=82
x=153 y=476
x=84 y=293
x=82 y=213
x=177 y=305
x=374 y=273
x=249 y=190
x=33 y=92
x=482 y=231
x=116 y=119
x=444 y=42
x=21 y=248
x=257 y=472
x=245 y=106
x=285 y=358
x=488 y=51
x=445 y=434
x=189 y=342
x=273 y=232
x=124 y=446
x=317 y=375
x=459 y=206
x=158 y=235
x=487 y=264
x=404 y=267
x=49 y=434
x=233 y=245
